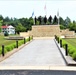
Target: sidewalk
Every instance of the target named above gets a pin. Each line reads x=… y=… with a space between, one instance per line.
x=40 y=52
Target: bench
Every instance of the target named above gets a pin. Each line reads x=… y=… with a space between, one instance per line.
x=15 y=38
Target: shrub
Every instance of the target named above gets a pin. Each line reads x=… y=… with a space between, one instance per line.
x=74 y=56
x=14 y=45
x=63 y=43
x=6 y=33
x=8 y=48
x=5 y=51
x=20 y=42
x=71 y=51
x=27 y=39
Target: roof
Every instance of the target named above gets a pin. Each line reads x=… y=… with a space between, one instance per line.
x=4 y=26
x=10 y=26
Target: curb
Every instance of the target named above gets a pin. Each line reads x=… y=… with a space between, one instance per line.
x=60 y=68
x=61 y=52
x=68 y=60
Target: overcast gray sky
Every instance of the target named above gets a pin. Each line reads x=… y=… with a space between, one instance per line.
x=24 y=8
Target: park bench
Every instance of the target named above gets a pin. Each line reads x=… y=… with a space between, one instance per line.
x=15 y=38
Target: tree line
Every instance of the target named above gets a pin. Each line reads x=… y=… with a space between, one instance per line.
x=25 y=24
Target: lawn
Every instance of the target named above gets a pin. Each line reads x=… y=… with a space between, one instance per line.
x=71 y=41
x=4 y=41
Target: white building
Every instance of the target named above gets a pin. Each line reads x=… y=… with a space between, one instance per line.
x=10 y=29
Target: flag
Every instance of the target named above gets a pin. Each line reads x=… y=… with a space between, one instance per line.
x=32 y=13
x=45 y=10
x=45 y=7
x=33 y=17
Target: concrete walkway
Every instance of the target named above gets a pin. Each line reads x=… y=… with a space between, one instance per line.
x=40 y=52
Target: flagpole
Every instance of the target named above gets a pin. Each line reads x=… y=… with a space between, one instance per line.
x=58 y=21
x=33 y=17
x=34 y=20
x=58 y=16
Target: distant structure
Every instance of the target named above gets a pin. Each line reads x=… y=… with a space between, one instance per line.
x=9 y=28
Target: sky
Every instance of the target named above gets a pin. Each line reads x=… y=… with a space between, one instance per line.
x=25 y=8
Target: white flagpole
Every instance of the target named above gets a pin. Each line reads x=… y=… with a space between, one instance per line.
x=58 y=16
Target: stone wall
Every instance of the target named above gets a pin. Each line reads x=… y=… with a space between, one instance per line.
x=45 y=30
x=67 y=32
x=25 y=34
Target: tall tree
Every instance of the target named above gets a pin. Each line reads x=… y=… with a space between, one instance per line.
x=1 y=21
x=55 y=20
x=35 y=20
x=72 y=26
x=45 y=19
x=61 y=21
x=6 y=20
x=1 y=17
x=39 y=19
x=50 y=19
x=20 y=28
x=67 y=22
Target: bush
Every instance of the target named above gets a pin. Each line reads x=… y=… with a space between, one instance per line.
x=63 y=43
x=27 y=39
x=8 y=48
x=71 y=51
x=6 y=33
x=5 y=51
x=20 y=42
x=14 y=45
x=74 y=56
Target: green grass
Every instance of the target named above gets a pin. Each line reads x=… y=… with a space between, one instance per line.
x=4 y=41
x=71 y=41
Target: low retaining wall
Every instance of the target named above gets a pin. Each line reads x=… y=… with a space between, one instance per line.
x=25 y=34
x=67 y=33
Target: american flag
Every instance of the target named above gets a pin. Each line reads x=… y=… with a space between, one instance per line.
x=32 y=13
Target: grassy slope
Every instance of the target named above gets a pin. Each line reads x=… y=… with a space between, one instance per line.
x=71 y=41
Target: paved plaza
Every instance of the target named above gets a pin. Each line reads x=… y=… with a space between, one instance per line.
x=39 y=52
